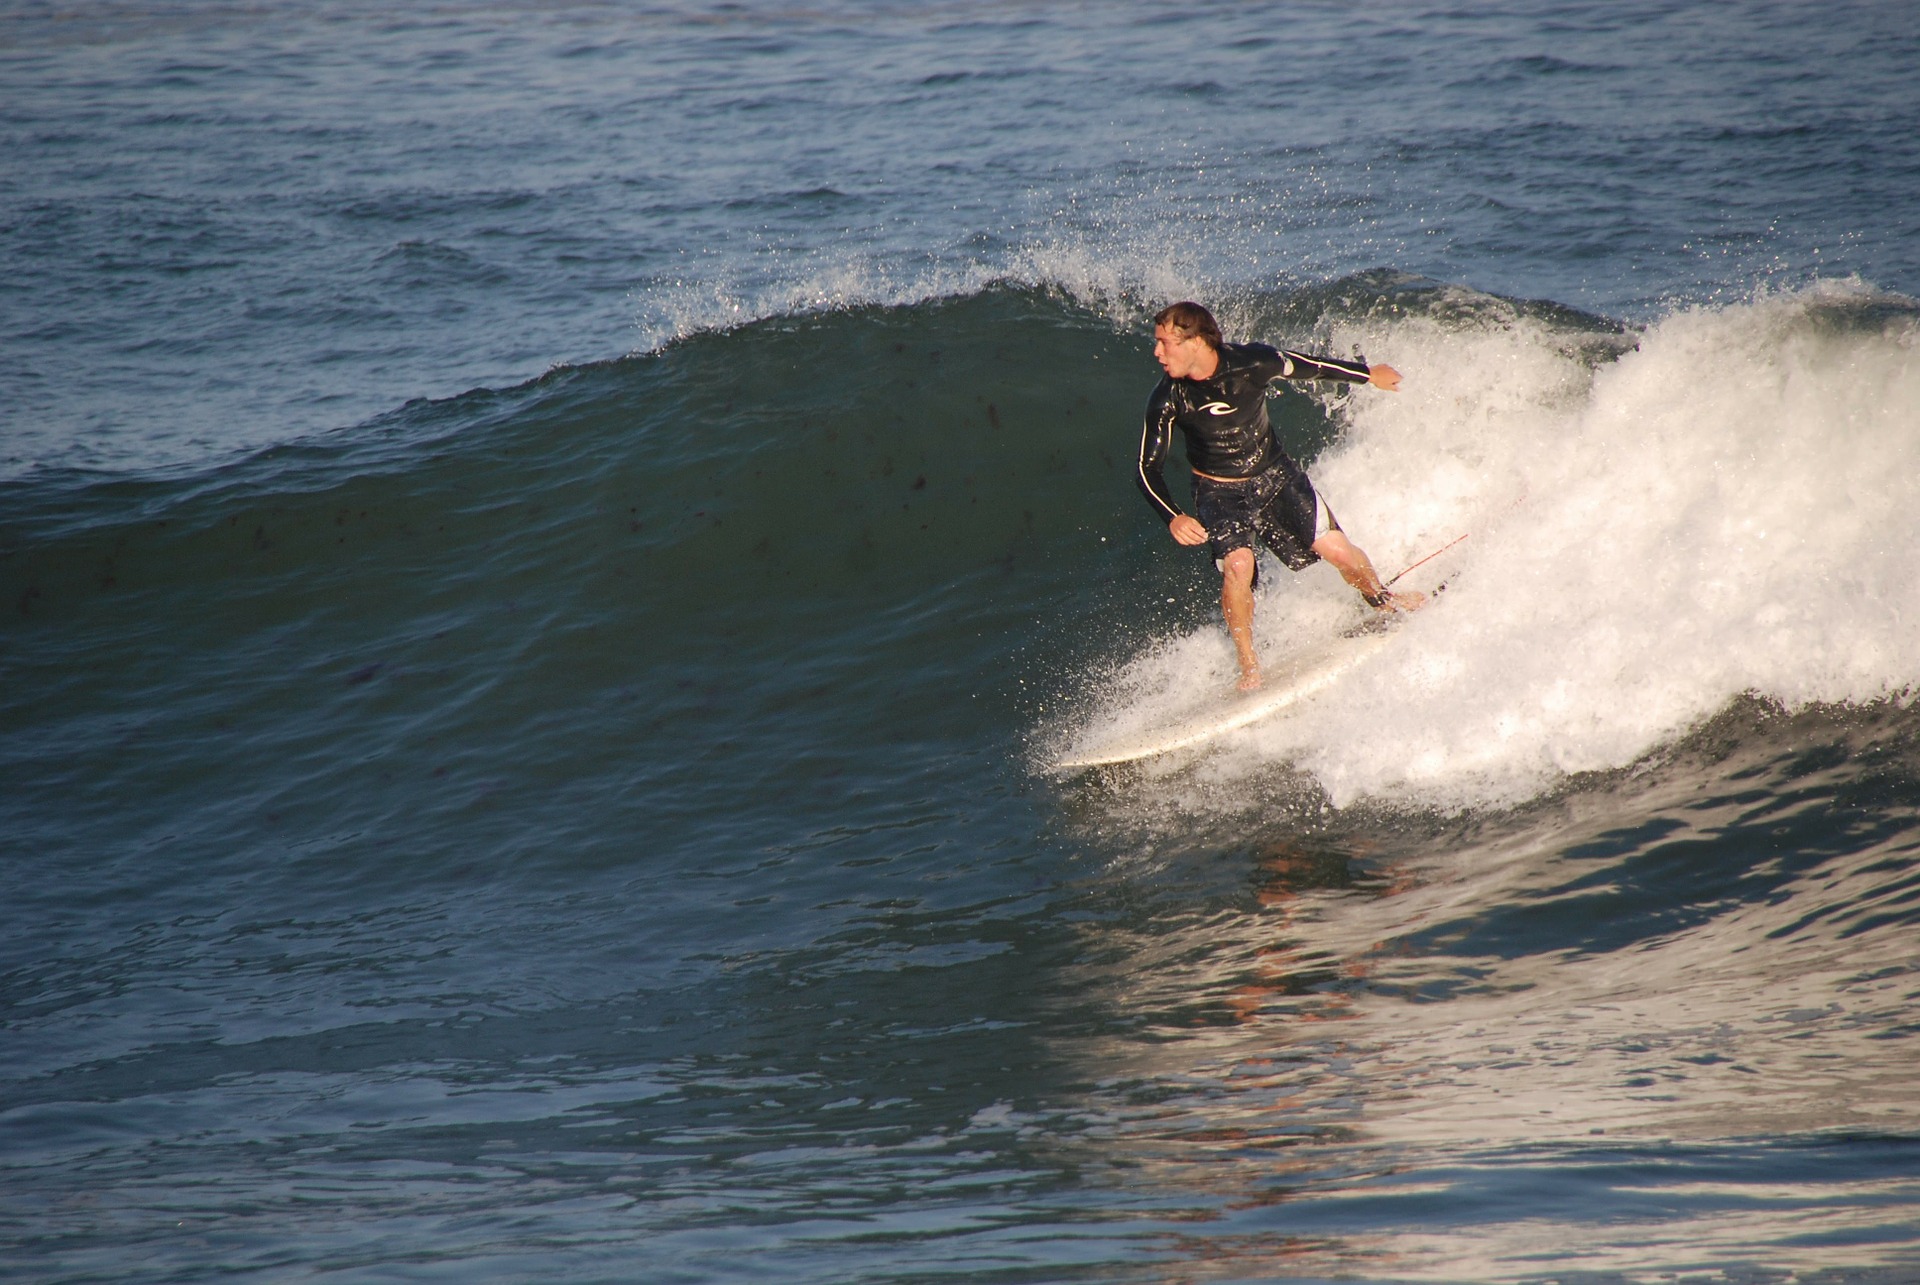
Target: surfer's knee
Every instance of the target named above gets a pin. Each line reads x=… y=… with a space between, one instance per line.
x=1237 y=567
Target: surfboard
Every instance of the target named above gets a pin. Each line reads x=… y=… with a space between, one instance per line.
x=1287 y=683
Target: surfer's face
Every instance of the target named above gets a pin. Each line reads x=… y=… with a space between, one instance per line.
x=1189 y=358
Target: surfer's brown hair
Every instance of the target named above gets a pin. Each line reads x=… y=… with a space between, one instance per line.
x=1187 y=319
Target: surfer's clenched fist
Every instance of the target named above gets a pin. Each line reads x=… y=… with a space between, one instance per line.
x=1187 y=529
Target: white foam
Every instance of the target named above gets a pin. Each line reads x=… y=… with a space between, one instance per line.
x=1725 y=510
x=733 y=298
x=1123 y=276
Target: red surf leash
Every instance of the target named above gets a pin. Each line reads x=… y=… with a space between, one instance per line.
x=1430 y=557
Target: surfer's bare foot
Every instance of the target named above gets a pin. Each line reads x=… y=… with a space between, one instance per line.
x=1410 y=600
x=1249 y=680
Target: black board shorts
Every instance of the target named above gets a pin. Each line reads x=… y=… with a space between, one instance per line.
x=1278 y=508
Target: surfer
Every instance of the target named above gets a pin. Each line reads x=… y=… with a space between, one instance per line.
x=1244 y=486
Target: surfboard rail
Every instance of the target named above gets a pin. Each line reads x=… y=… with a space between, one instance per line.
x=1309 y=675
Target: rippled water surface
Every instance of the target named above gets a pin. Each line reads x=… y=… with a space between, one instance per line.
x=546 y=552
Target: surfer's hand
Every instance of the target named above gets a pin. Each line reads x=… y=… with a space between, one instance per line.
x=1384 y=376
x=1187 y=530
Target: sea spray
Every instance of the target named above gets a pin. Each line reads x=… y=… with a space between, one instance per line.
x=1720 y=510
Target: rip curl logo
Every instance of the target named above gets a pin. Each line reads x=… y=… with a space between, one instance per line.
x=1218 y=408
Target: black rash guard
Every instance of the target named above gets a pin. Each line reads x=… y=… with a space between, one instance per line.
x=1224 y=419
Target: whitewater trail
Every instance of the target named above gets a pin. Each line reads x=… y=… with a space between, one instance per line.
x=1723 y=509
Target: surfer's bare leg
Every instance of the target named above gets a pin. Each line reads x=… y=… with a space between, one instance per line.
x=1347 y=558
x=1236 y=603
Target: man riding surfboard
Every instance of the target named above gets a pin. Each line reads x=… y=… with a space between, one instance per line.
x=1245 y=487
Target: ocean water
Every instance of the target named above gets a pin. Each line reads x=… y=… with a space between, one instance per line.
x=546 y=551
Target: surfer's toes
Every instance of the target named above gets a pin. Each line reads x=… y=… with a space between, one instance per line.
x=1411 y=600
x=1249 y=681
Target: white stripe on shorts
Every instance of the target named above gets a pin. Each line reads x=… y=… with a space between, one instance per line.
x=1322 y=515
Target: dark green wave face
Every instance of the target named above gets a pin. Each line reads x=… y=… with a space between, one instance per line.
x=597 y=822
x=755 y=549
